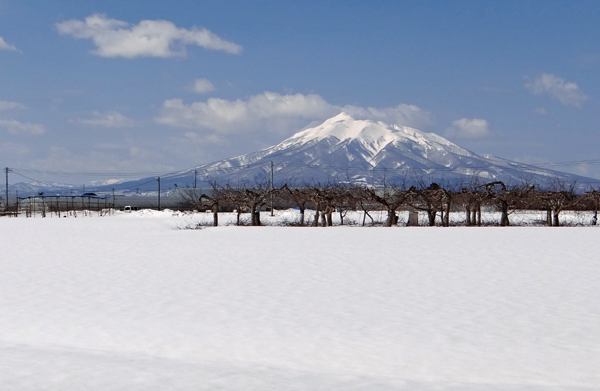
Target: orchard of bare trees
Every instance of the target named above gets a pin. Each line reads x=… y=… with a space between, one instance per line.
x=317 y=204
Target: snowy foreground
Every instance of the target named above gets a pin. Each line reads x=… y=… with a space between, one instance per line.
x=131 y=302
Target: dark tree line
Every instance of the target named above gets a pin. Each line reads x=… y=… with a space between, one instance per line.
x=317 y=203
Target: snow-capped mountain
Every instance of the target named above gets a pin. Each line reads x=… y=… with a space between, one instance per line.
x=347 y=150
x=344 y=149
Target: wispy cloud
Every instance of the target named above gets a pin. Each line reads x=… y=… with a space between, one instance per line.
x=12 y=149
x=267 y=110
x=466 y=128
x=203 y=86
x=134 y=159
x=111 y=119
x=271 y=111
x=16 y=127
x=7 y=46
x=6 y=105
x=567 y=93
x=149 y=38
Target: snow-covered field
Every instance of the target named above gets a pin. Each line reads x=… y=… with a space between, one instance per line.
x=131 y=302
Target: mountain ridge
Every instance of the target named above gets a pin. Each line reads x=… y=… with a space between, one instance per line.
x=362 y=152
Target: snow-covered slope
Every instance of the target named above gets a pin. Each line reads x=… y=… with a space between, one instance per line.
x=344 y=149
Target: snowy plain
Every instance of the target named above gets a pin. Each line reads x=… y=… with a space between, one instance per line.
x=135 y=302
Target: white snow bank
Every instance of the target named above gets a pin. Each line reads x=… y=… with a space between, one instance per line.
x=128 y=303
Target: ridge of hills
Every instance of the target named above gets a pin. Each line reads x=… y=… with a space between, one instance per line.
x=347 y=150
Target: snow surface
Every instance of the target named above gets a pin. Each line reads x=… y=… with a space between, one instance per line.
x=132 y=302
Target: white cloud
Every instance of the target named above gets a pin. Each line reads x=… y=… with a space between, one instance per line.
x=468 y=129
x=149 y=38
x=203 y=86
x=5 y=105
x=111 y=119
x=16 y=127
x=7 y=46
x=568 y=93
x=259 y=111
x=541 y=111
x=271 y=111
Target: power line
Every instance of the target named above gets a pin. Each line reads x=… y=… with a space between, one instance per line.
x=94 y=174
x=570 y=163
x=138 y=184
x=71 y=188
x=42 y=182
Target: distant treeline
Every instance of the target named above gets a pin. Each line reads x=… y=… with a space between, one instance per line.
x=317 y=203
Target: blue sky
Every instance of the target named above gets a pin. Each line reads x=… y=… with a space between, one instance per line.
x=152 y=86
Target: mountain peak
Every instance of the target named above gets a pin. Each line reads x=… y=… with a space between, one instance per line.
x=343 y=116
x=373 y=135
x=343 y=126
x=360 y=152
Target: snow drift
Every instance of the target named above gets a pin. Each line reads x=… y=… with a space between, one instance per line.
x=131 y=303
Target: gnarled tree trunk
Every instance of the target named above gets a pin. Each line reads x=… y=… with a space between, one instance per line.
x=468 y=214
x=215 y=211
x=504 y=222
x=317 y=214
x=255 y=215
x=391 y=217
x=555 y=220
x=431 y=214
x=301 y=214
x=446 y=218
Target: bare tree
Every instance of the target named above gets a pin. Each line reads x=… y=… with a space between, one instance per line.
x=255 y=199
x=300 y=197
x=594 y=196
x=234 y=198
x=348 y=199
x=366 y=203
x=191 y=199
x=471 y=198
x=248 y=199
x=433 y=200
x=210 y=202
x=213 y=204
x=560 y=195
x=506 y=199
x=391 y=198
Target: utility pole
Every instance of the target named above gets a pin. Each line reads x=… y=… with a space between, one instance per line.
x=195 y=177
x=7 y=170
x=158 y=193
x=113 y=204
x=272 y=188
